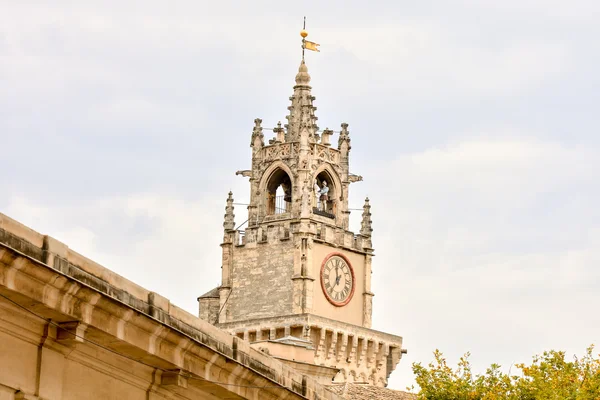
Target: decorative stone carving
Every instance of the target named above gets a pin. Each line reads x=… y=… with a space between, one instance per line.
x=257 y=140
x=344 y=137
x=354 y=178
x=229 y=223
x=366 y=223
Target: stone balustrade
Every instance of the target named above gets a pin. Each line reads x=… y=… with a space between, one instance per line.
x=282 y=228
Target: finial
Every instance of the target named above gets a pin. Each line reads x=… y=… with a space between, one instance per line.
x=257 y=139
x=325 y=137
x=344 y=137
x=229 y=223
x=302 y=77
x=279 y=133
x=366 y=223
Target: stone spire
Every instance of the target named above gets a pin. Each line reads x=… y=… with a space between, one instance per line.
x=302 y=112
x=366 y=223
x=229 y=223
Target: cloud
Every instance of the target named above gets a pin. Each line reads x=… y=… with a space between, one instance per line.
x=161 y=242
x=426 y=60
x=489 y=242
x=473 y=124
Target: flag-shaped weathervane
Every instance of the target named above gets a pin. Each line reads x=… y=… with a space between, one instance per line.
x=305 y=43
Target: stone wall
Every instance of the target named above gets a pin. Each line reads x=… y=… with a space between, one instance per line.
x=261 y=277
x=209 y=309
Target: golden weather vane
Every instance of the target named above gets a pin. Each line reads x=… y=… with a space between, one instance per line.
x=305 y=43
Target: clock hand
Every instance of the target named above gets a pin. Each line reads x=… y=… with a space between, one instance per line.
x=337 y=276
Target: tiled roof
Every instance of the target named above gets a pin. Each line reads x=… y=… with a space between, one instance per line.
x=358 y=391
x=211 y=293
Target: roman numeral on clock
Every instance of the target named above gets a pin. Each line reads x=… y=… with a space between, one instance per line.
x=337 y=280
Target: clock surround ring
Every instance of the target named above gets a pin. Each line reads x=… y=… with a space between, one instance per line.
x=332 y=301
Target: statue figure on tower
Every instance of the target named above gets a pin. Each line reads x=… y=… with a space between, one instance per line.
x=324 y=196
x=317 y=192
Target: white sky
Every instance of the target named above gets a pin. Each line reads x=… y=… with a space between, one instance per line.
x=474 y=124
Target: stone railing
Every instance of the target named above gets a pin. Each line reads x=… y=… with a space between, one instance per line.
x=279 y=151
x=326 y=153
x=283 y=229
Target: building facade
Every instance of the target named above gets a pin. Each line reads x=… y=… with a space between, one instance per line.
x=296 y=282
x=71 y=329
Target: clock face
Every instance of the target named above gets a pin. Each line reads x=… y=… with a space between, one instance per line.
x=337 y=279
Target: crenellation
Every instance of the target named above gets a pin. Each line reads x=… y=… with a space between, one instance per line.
x=352 y=348
x=361 y=354
x=382 y=355
x=361 y=350
x=370 y=348
x=348 y=239
x=342 y=354
x=333 y=346
x=339 y=236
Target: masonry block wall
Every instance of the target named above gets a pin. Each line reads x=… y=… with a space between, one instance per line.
x=261 y=279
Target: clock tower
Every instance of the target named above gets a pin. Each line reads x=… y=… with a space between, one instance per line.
x=295 y=281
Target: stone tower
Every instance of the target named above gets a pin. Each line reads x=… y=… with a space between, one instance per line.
x=296 y=282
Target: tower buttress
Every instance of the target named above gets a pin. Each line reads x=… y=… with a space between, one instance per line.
x=229 y=223
x=366 y=223
x=344 y=149
x=230 y=236
x=366 y=230
x=257 y=143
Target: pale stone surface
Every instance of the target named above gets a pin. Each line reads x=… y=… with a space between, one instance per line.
x=271 y=277
x=353 y=391
x=69 y=332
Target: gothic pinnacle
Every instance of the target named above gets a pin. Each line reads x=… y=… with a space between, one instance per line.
x=301 y=117
x=366 y=223
x=344 y=137
x=229 y=223
x=302 y=78
x=257 y=134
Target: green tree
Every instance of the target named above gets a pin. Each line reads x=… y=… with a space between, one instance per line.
x=549 y=377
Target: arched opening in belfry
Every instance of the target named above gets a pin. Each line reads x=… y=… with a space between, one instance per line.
x=279 y=193
x=325 y=195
